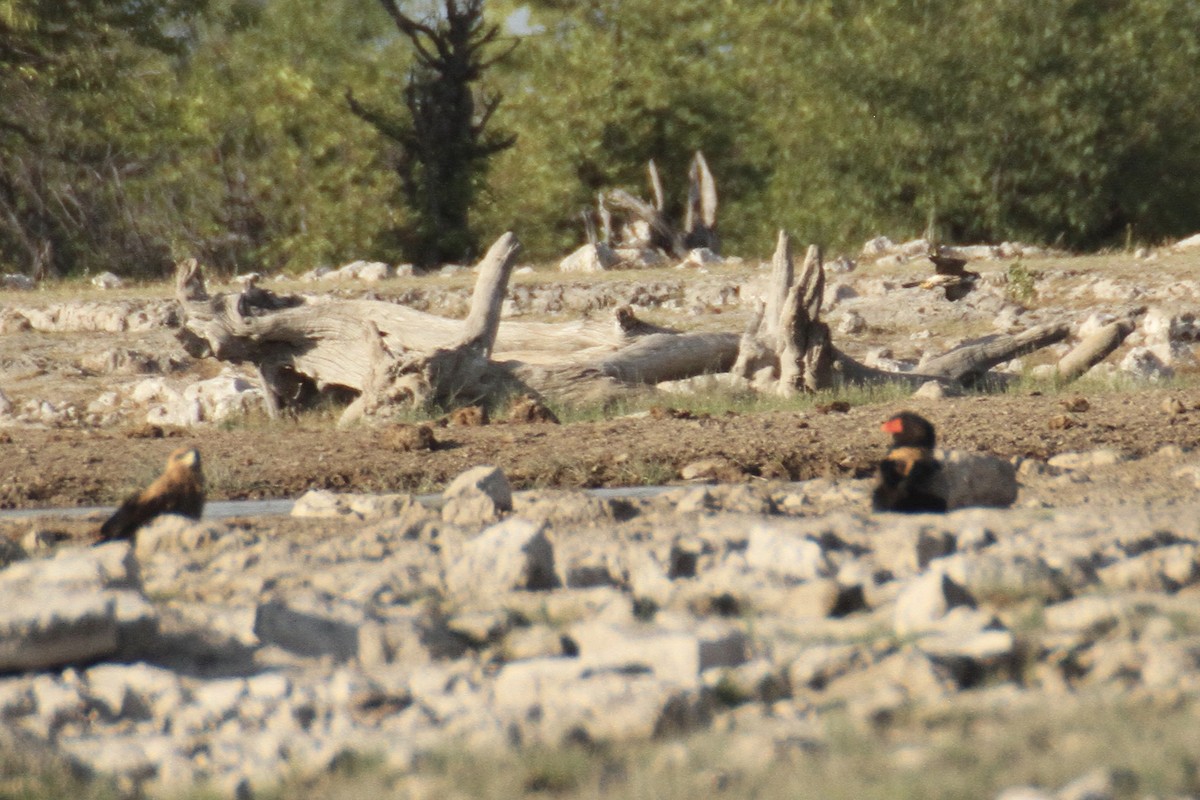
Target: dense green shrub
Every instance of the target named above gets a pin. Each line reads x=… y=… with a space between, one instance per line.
x=139 y=132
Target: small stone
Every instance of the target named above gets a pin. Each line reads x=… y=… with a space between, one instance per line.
x=1173 y=405
x=786 y=550
x=476 y=497
x=513 y=555
x=1084 y=461
x=836 y=407
x=309 y=626
x=408 y=438
x=720 y=470
x=529 y=410
x=468 y=417
x=927 y=599
x=975 y=479
x=932 y=390
x=1076 y=404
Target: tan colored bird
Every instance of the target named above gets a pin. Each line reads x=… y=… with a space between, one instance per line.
x=950 y=275
x=179 y=490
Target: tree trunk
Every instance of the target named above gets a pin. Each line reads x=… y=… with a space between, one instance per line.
x=787 y=344
x=968 y=364
x=700 y=223
x=1094 y=349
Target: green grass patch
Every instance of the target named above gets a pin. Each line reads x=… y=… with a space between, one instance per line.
x=718 y=402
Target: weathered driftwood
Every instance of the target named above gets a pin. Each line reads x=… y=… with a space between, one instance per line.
x=656 y=187
x=786 y=344
x=700 y=222
x=787 y=347
x=633 y=368
x=386 y=356
x=368 y=347
x=968 y=364
x=383 y=355
x=663 y=235
x=1094 y=349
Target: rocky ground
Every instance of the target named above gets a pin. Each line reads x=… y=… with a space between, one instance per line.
x=759 y=610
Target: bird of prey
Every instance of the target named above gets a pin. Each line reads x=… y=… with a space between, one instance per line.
x=906 y=474
x=950 y=275
x=179 y=490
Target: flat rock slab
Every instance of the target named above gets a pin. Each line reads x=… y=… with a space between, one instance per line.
x=80 y=606
x=52 y=630
x=513 y=555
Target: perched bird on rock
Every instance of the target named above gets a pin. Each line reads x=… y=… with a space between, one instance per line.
x=906 y=475
x=950 y=275
x=179 y=490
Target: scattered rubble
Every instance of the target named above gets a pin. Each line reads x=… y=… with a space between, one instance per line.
x=210 y=654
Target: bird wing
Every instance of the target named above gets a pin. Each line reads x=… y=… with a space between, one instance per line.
x=948 y=265
x=135 y=512
x=170 y=493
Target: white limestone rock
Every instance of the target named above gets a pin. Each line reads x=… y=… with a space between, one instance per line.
x=1091 y=459
x=107 y=280
x=173 y=533
x=1188 y=243
x=700 y=257
x=908 y=545
x=513 y=555
x=19 y=282
x=309 y=625
x=55 y=629
x=1144 y=364
x=785 y=549
x=321 y=503
x=975 y=479
x=552 y=698
x=674 y=655
x=925 y=600
x=590 y=258
x=476 y=497
x=878 y=246
x=365 y=271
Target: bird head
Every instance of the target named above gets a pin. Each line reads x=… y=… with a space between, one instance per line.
x=185 y=458
x=910 y=430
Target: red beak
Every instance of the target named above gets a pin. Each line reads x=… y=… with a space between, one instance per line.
x=893 y=425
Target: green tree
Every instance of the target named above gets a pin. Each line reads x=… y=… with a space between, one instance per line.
x=444 y=138
x=271 y=172
x=597 y=89
x=82 y=84
x=1064 y=122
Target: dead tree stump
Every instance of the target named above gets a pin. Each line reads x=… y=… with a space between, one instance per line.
x=787 y=346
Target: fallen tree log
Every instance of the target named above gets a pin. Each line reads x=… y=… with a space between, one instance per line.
x=382 y=357
x=387 y=356
x=350 y=344
x=1094 y=349
x=969 y=363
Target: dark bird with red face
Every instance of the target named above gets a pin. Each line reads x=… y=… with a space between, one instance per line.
x=179 y=490
x=906 y=475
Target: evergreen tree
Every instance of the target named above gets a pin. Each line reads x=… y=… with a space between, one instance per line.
x=443 y=136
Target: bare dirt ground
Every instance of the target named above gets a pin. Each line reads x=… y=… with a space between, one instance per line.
x=46 y=468
x=81 y=465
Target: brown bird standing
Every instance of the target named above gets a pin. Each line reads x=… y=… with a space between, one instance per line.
x=906 y=474
x=179 y=490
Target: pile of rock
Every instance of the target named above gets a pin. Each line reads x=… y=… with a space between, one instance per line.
x=229 y=653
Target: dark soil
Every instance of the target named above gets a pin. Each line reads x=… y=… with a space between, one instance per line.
x=69 y=467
